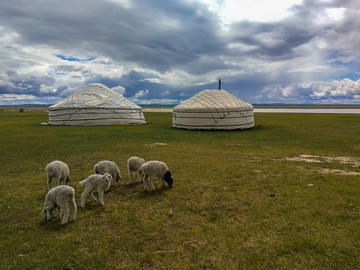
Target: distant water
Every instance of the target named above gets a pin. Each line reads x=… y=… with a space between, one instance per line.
x=350 y=111
x=344 y=111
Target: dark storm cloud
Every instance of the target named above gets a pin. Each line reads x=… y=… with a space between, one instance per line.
x=274 y=41
x=154 y=34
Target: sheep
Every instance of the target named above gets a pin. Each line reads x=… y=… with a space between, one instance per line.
x=58 y=170
x=59 y=198
x=159 y=169
x=96 y=181
x=134 y=165
x=109 y=167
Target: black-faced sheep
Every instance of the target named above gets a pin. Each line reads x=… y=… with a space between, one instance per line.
x=159 y=169
x=58 y=170
x=134 y=165
x=60 y=198
x=97 y=182
x=109 y=167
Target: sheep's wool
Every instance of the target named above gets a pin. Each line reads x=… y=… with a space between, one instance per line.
x=95 y=104
x=213 y=109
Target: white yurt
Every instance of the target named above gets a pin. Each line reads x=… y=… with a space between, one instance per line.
x=95 y=104
x=213 y=109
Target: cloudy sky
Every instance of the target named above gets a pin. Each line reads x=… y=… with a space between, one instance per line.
x=162 y=51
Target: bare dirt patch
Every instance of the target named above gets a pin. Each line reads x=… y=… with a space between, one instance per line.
x=341 y=172
x=155 y=144
x=354 y=162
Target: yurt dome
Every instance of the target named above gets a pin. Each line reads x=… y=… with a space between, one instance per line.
x=213 y=109
x=95 y=104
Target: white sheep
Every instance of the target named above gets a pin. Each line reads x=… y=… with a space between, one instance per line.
x=58 y=170
x=134 y=165
x=59 y=198
x=159 y=169
x=96 y=181
x=109 y=167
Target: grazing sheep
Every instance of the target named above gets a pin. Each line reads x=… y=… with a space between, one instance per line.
x=109 y=167
x=59 y=198
x=96 y=181
x=134 y=165
x=152 y=169
x=58 y=170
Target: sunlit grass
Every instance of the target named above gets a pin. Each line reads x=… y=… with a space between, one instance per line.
x=236 y=203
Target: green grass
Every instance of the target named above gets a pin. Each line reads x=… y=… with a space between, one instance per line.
x=223 y=214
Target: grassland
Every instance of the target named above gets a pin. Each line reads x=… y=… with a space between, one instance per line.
x=240 y=200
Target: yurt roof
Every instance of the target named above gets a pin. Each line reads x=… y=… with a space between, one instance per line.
x=213 y=100
x=95 y=96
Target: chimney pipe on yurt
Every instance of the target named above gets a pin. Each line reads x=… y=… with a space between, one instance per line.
x=219 y=84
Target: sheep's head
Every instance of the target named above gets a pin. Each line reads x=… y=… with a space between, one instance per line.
x=107 y=177
x=169 y=180
x=67 y=180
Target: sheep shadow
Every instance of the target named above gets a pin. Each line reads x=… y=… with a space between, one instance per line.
x=133 y=185
x=157 y=192
x=124 y=186
x=92 y=206
x=54 y=224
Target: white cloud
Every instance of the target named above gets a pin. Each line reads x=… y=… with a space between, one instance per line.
x=253 y=10
x=5 y=81
x=141 y=93
x=155 y=101
x=346 y=91
x=119 y=89
x=12 y=97
x=44 y=89
x=335 y=13
x=346 y=87
x=123 y=3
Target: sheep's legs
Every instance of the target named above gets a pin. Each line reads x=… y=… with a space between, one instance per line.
x=73 y=209
x=130 y=176
x=49 y=181
x=148 y=180
x=101 y=196
x=139 y=177
x=84 y=195
x=58 y=181
x=160 y=183
x=152 y=185
x=92 y=194
x=145 y=182
x=48 y=212
x=116 y=182
x=65 y=210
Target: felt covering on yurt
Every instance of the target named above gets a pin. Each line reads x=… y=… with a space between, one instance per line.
x=95 y=104
x=213 y=109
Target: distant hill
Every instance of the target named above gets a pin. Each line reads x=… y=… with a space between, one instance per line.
x=25 y=105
